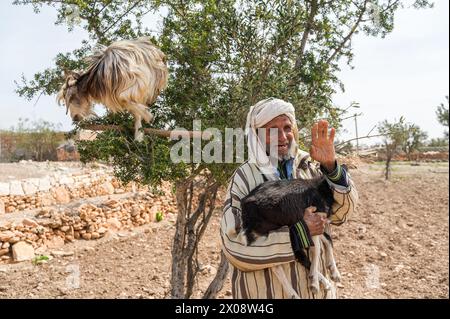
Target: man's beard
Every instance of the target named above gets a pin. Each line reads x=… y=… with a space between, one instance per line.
x=272 y=152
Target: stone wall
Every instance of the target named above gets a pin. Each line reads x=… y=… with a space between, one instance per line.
x=51 y=228
x=38 y=215
x=58 y=189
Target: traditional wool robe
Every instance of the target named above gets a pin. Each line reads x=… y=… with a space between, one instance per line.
x=250 y=264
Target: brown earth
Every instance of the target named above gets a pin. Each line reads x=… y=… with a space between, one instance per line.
x=394 y=246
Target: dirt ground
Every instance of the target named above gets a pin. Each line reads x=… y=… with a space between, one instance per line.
x=394 y=246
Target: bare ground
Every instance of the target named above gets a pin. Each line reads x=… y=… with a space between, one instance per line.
x=395 y=246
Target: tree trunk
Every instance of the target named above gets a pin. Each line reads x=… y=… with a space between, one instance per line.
x=190 y=227
x=178 y=262
x=217 y=284
x=388 y=167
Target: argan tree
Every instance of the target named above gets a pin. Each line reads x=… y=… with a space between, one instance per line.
x=415 y=138
x=223 y=56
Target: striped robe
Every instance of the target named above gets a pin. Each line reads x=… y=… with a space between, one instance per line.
x=251 y=276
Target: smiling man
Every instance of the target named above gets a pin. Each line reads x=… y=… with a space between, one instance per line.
x=273 y=154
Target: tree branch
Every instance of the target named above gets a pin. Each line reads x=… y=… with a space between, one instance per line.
x=120 y=18
x=309 y=25
x=154 y=131
x=349 y=35
x=359 y=138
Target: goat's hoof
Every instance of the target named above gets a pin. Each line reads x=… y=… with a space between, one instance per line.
x=314 y=287
x=326 y=285
x=139 y=136
x=335 y=276
x=325 y=282
x=314 y=284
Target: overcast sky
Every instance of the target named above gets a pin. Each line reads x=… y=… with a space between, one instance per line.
x=404 y=74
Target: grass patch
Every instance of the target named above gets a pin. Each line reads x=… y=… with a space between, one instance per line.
x=39 y=260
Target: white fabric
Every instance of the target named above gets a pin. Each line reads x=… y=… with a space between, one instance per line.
x=260 y=114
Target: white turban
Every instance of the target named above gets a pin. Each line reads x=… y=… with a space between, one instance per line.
x=260 y=114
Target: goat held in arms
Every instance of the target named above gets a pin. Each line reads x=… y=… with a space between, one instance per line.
x=274 y=204
x=128 y=75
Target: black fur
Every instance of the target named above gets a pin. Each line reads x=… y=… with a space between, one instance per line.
x=274 y=204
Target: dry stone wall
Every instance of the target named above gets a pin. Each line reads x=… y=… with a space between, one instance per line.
x=56 y=220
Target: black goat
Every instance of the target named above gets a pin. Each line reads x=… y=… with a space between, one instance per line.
x=274 y=204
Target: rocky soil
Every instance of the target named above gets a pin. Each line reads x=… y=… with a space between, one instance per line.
x=394 y=246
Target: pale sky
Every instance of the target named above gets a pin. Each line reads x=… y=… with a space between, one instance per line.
x=407 y=73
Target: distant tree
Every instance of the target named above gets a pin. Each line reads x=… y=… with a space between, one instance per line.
x=414 y=139
x=38 y=138
x=400 y=135
x=438 y=142
x=395 y=136
x=442 y=114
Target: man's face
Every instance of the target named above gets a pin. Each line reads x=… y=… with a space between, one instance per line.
x=282 y=139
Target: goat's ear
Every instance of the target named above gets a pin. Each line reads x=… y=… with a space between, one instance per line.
x=76 y=74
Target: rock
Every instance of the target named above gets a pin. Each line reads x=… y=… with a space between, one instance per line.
x=4 y=189
x=4 y=251
x=5 y=245
x=29 y=188
x=22 y=251
x=55 y=243
x=59 y=253
x=66 y=180
x=112 y=203
x=107 y=188
x=44 y=184
x=95 y=235
x=135 y=212
x=46 y=199
x=62 y=196
x=15 y=188
x=86 y=236
x=6 y=235
x=2 y=207
x=102 y=230
x=113 y=223
x=383 y=254
x=29 y=222
x=152 y=213
x=14 y=240
x=42 y=250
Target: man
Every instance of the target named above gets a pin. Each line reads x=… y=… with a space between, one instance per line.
x=273 y=154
